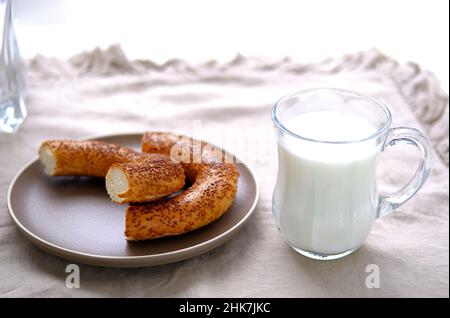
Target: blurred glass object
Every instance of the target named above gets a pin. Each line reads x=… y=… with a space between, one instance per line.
x=12 y=82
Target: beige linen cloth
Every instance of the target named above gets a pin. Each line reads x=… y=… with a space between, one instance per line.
x=102 y=92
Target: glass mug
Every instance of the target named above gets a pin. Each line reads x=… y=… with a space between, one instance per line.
x=326 y=199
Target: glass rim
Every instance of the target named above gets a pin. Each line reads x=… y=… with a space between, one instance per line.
x=379 y=131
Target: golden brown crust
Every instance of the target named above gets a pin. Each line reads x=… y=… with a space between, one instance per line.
x=87 y=158
x=151 y=178
x=213 y=189
x=148 y=176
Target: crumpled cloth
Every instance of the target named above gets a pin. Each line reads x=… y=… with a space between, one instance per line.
x=101 y=92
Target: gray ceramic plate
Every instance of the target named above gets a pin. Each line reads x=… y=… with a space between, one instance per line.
x=74 y=218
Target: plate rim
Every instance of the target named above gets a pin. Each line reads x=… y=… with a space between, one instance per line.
x=51 y=247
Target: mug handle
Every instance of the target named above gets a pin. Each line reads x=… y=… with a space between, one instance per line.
x=407 y=136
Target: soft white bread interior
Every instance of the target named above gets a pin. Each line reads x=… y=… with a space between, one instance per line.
x=116 y=184
x=47 y=158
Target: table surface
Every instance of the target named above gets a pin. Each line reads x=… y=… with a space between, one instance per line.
x=102 y=92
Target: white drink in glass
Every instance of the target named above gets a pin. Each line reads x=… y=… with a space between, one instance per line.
x=326 y=198
x=326 y=194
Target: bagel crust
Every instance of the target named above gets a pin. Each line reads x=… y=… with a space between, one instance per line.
x=82 y=158
x=212 y=191
x=131 y=176
x=148 y=179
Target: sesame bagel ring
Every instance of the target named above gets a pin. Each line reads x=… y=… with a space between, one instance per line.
x=131 y=176
x=213 y=188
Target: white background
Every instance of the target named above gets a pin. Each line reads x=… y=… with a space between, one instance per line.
x=197 y=30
